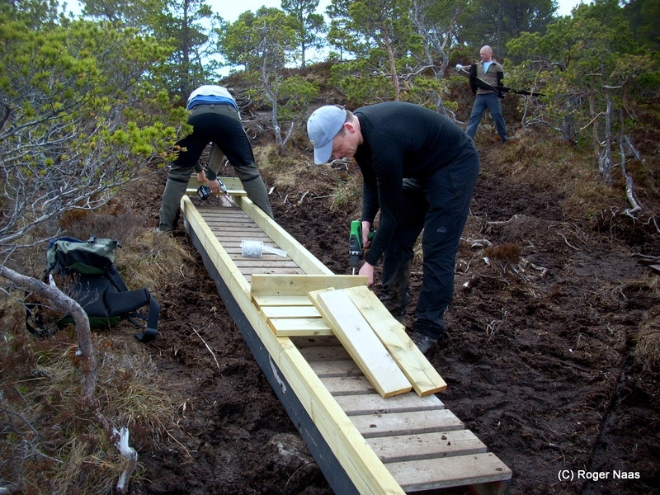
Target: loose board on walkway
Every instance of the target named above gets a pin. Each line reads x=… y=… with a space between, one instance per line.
x=358 y=338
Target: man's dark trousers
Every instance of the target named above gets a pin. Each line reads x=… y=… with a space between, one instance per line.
x=441 y=211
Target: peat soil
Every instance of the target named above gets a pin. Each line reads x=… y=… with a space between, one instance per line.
x=540 y=357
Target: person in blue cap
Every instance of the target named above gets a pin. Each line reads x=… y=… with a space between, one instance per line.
x=419 y=170
x=214 y=117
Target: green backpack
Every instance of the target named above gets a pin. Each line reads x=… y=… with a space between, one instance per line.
x=85 y=271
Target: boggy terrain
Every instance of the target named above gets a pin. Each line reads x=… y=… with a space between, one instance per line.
x=541 y=359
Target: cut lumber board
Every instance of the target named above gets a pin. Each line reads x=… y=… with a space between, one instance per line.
x=359 y=340
x=406 y=423
x=263 y=263
x=290 y=312
x=233 y=185
x=262 y=301
x=414 y=447
x=297 y=327
x=348 y=385
x=423 y=376
x=335 y=368
x=449 y=471
x=295 y=321
x=369 y=404
x=274 y=285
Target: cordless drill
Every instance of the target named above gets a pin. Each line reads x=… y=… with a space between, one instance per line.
x=355 y=243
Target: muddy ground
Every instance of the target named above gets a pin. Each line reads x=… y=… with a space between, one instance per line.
x=540 y=356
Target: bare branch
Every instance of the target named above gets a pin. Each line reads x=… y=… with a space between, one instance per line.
x=68 y=305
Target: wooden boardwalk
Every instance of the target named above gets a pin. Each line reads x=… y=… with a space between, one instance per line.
x=365 y=437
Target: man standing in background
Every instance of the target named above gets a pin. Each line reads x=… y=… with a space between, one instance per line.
x=485 y=77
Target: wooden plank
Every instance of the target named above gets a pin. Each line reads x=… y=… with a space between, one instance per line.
x=235 y=237
x=262 y=301
x=348 y=385
x=290 y=312
x=263 y=263
x=296 y=251
x=231 y=217
x=324 y=352
x=403 y=448
x=406 y=423
x=301 y=285
x=213 y=212
x=423 y=376
x=248 y=272
x=359 y=461
x=336 y=368
x=450 y=471
x=233 y=185
x=358 y=338
x=299 y=327
x=192 y=191
x=373 y=403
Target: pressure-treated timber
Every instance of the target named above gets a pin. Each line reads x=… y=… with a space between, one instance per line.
x=357 y=337
x=367 y=474
x=348 y=426
x=424 y=377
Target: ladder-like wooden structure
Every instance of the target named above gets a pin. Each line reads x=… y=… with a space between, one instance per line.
x=366 y=438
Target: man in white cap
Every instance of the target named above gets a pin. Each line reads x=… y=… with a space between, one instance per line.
x=419 y=170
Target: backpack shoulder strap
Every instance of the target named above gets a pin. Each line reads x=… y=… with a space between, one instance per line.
x=125 y=303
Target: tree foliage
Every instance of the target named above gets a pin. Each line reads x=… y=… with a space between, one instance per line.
x=264 y=43
x=380 y=35
x=139 y=14
x=310 y=25
x=495 y=22
x=644 y=19
x=188 y=27
x=588 y=66
x=184 y=27
x=76 y=122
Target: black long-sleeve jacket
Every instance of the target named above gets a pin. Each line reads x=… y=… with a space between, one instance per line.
x=401 y=140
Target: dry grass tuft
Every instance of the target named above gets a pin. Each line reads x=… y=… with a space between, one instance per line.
x=148 y=259
x=45 y=428
x=647 y=351
x=50 y=440
x=145 y=257
x=114 y=221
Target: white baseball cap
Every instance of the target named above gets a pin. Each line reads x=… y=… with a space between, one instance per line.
x=322 y=127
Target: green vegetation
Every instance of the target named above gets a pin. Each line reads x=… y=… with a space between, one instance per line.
x=93 y=104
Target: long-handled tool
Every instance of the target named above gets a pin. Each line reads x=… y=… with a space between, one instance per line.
x=501 y=90
x=355 y=244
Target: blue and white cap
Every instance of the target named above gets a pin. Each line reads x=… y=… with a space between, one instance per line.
x=322 y=127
